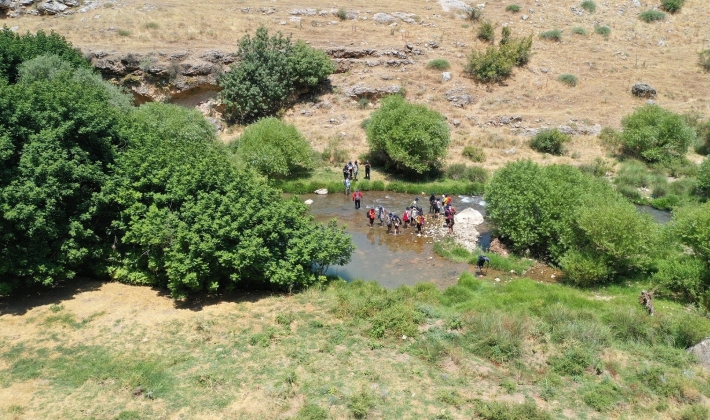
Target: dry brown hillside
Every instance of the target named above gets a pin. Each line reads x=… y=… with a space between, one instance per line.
x=662 y=54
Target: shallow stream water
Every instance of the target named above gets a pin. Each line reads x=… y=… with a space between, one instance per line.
x=391 y=260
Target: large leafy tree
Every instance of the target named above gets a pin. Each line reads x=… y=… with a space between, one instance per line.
x=192 y=222
x=15 y=49
x=412 y=137
x=57 y=138
x=269 y=70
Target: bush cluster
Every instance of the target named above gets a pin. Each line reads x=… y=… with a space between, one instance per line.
x=704 y=59
x=578 y=30
x=496 y=63
x=439 y=64
x=412 y=137
x=460 y=171
x=576 y=221
x=474 y=153
x=274 y=149
x=589 y=6
x=672 y=6
x=651 y=15
x=654 y=134
x=513 y=8
x=550 y=141
x=552 y=35
x=568 y=79
x=267 y=73
x=603 y=30
x=486 y=32
x=143 y=195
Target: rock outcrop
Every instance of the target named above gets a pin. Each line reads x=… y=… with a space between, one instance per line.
x=459 y=97
x=642 y=90
x=702 y=352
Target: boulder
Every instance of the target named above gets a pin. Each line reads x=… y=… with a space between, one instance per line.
x=70 y=3
x=383 y=18
x=642 y=90
x=360 y=90
x=322 y=191
x=5 y=4
x=702 y=352
x=218 y=57
x=309 y=202
x=459 y=97
x=51 y=7
x=446 y=76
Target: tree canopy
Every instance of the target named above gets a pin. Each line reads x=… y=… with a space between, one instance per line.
x=412 y=137
x=269 y=71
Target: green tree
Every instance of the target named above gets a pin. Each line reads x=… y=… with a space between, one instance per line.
x=192 y=222
x=654 y=134
x=412 y=137
x=57 y=140
x=15 y=49
x=691 y=225
x=274 y=148
x=704 y=175
x=268 y=71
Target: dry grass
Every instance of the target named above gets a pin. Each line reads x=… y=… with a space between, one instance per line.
x=663 y=54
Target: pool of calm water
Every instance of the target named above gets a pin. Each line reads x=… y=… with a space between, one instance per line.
x=391 y=260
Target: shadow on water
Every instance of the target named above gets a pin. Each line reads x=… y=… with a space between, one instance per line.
x=391 y=260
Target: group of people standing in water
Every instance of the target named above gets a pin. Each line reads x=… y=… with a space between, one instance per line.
x=413 y=215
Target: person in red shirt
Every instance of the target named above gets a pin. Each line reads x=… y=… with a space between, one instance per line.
x=371 y=216
x=357 y=196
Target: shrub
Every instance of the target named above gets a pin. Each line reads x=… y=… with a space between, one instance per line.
x=505 y=35
x=486 y=32
x=15 y=48
x=604 y=396
x=151 y=25
x=312 y=412
x=497 y=336
x=473 y=13
x=691 y=225
x=656 y=135
x=550 y=141
x=513 y=8
x=496 y=63
x=412 y=137
x=474 y=153
x=509 y=411
x=341 y=14
x=682 y=277
x=704 y=59
x=568 y=79
x=589 y=6
x=274 y=148
x=438 y=64
x=704 y=175
x=124 y=32
x=603 y=30
x=651 y=15
x=578 y=30
x=573 y=362
x=672 y=6
x=268 y=72
x=472 y=173
x=552 y=35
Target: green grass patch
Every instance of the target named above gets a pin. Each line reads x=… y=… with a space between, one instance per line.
x=439 y=64
x=603 y=30
x=589 y=6
x=672 y=6
x=649 y=16
x=578 y=30
x=568 y=79
x=552 y=35
x=474 y=153
x=513 y=8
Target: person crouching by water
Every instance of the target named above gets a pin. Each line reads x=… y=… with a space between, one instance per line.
x=482 y=261
x=371 y=216
x=357 y=196
x=396 y=221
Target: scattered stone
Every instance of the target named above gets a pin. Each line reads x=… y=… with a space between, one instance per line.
x=218 y=57
x=651 y=102
x=448 y=5
x=510 y=120
x=341 y=52
x=405 y=17
x=498 y=248
x=510 y=152
x=322 y=191
x=308 y=202
x=459 y=97
x=70 y=3
x=643 y=90
x=431 y=44
x=334 y=121
x=446 y=76
x=303 y=12
x=360 y=90
x=544 y=69
x=636 y=3
x=524 y=17
x=702 y=352
x=5 y=4
x=456 y=123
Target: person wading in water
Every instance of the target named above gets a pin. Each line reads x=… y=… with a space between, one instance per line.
x=357 y=196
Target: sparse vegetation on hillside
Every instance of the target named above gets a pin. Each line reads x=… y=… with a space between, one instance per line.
x=439 y=64
x=552 y=35
x=589 y=6
x=603 y=30
x=269 y=71
x=578 y=30
x=651 y=15
x=411 y=137
x=568 y=79
x=672 y=6
x=473 y=13
x=474 y=153
x=704 y=59
x=513 y=8
x=486 y=32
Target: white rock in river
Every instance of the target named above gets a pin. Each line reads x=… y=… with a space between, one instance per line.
x=309 y=201
x=322 y=191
